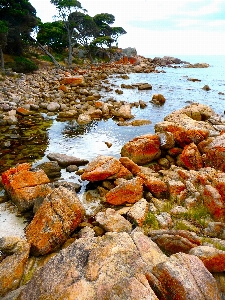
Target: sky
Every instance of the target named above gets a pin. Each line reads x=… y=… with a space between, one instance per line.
x=159 y=27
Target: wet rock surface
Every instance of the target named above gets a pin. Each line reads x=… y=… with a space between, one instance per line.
x=14 y=253
x=58 y=216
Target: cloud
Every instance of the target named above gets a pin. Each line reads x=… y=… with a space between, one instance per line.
x=186 y=15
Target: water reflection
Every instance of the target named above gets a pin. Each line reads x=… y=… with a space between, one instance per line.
x=72 y=128
x=23 y=142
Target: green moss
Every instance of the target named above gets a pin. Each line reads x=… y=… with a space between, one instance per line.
x=199 y=214
x=151 y=221
x=185 y=225
x=216 y=244
x=168 y=205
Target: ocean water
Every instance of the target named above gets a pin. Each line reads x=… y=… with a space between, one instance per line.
x=89 y=141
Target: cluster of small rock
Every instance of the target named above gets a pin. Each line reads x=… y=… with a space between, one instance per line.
x=69 y=93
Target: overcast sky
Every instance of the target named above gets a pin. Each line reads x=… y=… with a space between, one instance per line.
x=159 y=27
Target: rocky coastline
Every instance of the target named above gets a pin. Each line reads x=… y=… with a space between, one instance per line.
x=159 y=232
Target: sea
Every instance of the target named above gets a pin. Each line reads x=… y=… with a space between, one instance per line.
x=172 y=83
x=89 y=141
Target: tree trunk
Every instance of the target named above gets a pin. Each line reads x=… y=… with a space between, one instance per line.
x=2 y=59
x=47 y=53
x=70 y=49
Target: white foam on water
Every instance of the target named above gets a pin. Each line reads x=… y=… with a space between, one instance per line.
x=10 y=223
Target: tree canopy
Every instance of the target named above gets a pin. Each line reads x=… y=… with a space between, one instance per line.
x=20 y=17
x=73 y=27
x=53 y=34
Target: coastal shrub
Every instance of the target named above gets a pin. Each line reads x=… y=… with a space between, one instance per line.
x=45 y=57
x=167 y=206
x=23 y=65
x=199 y=214
x=185 y=225
x=215 y=243
x=57 y=56
x=151 y=221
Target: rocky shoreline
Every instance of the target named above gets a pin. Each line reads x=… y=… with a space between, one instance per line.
x=160 y=229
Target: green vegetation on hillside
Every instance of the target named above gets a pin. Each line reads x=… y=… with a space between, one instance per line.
x=74 y=28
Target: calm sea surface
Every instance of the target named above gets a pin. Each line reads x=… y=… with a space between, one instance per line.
x=89 y=141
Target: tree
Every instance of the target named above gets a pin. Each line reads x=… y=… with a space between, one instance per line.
x=53 y=34
x=116 y=32
x=3 y=41
x=84 y=30
x=107 y=33
x=65 y=8
x=20 y=17
x=103 y=21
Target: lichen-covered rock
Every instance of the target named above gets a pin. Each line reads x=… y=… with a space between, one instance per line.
x=142 y=149
x=108 y=267
x=130 y=165
x=73 y=80
x=174 y=241
x=24 y=186
x=191 y=158
x=188 y=124
x=138 y=212
x=25 y=198
x=184 y=132
x=14 y=253
x=21 y=176
x=155 y=185
x=112 y=221
x=213 y=259
x=214 y=202
x=104 y=167
x=60 y=213
x=184 y=276
x=213 y=152
x=175 y=188
x=128 y=191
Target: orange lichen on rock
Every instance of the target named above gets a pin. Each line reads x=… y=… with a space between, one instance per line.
x=155 y=185
x=7 y=175
x=130 y=165
x=142 y=149
x=21 y=176
x=103 y=167
x=129 y=191
x=73 y=80
x=63 y=88
x=191 y=157
x=57 y=217
x=214 y=203
x=24 y=186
